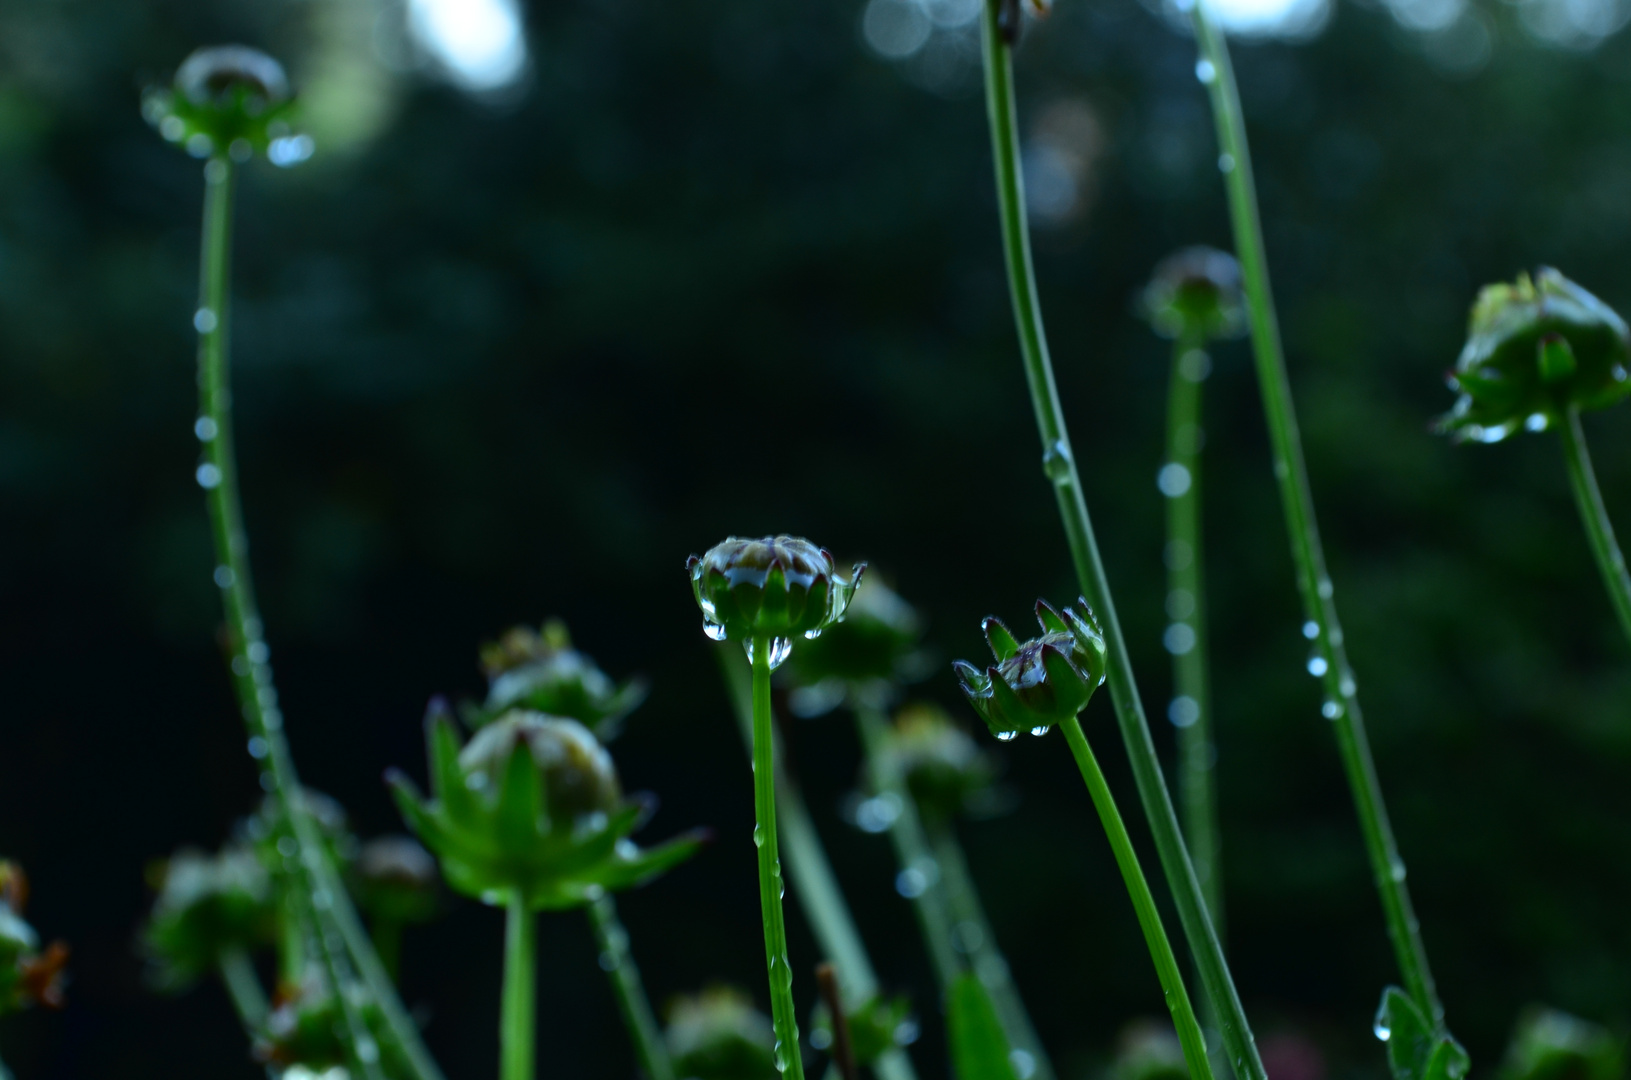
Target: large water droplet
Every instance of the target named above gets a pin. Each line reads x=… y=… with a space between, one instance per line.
x=1006 y=736
x=1535 y=422
x=1023 y=1064
x=205 y=429
x=1205 y=72
x=1381 y=1030
x=758 y=836
x=204 y=321
x=780 y=649
x=1332 y=709
x=208 y=476
x=224 y=577
x=1179 y=638
x=1172 y=480
x=1311 y=629
x=1056 y=462
x=1226 y=163
x=911 y=882
x=1395 y=869
x=1317 y=665
x=1040 y=730
x=713 y=628
x=1183 y=711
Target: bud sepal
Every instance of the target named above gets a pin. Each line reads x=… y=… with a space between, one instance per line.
x=1041 y=682
x=771 y=589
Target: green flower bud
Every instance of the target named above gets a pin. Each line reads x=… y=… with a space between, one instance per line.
x=769 y=590
x=228 y=99
x=1195 y=294
x=304 y=1031
x=1041 y=682
x=540 y=670
x=864 y=657
x=1535 y=349
x=878 y=1025
x=207 y=905
x=943 y=767
x=271 y=836
x=1552 y=1045
x=1148 y=1050
x=719 y=1035
x=531 y=804
x=395 y=881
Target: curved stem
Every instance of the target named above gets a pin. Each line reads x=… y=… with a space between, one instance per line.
x=788 y=1060
x=632 y=1002
x=1060 y=467
x=814 y=883
x=1594 y=516
x=244 y=987
x=911 y=846
x=518 y=1016
x=322 y=901
x=1330 y=659
x=1166 y=964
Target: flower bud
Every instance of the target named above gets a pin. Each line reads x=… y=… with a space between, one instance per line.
x=228 y=99
x=1195 y=294
x=540 y=670
x=270 y=834
x=769 y=590
x=396 y=882
x=1041 y=682
x=1535 y=349
x=304 y=1030
x=1552 y=1045
x=864 y=657
x=719 y=1035
x=531 y=804
x=943 y=767
x=207 y=905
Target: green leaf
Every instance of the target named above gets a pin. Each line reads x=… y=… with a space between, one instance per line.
x=1449 y=1060
x=1409 y=1040
x=979 y=1049
x=520 y=801
x=447 y=784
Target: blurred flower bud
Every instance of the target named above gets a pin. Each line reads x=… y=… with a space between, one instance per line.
x=1552 y=1045
x=304 y=1031
x=27 y=976
x=768 y=590
x=866 y=656
x=878 y=1025
x=1535 y=349
x=540 y=670
x=228 y=99
x=943 y=767
x=207 y=905
x=395 y=881
x=1148 y=1050
x=531 y=803
x=1195 y=294
x=271 y=836
x=1041 y=682
x=719 y=1035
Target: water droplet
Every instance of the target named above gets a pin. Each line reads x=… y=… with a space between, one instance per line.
x=1024 y=1065
x=967 y=936
x=1180 y=604
x=224 y=577
x=205 y=429
x=1395 y=869
x=1381 y=1030
x=268 y=782
x=208 y=476
x=876 y=814
x=1535 y=422
x=258 y=747
x=608 y=961
x=713 y=628
x=1179 y=638
x=290 y=150
x=1347 y=686
x=240 y=665
x=367 y=1050
x=911 y=882
x=1006 y=736
x=204 y=320
x=1619 y=373
x=811 y=635
x=1040 y=730
x=1205 y=72
x=780 y=649
x=1173 y=480
x=1195 y=366
x=240 y=150
x=172 y=128
x=1332 y=709
x=1281 y=469
x=1317 y=666
x=475 y=781
x=321 y=899
x=1311 y=629
x=258 y=653
x=781 y=973
x=199 y=145
x=1183 y=711
x=820 y=1039
x=758 y=836
x=1056 y=462
x=1324 y=589
x=287 y=847
x=1226 y=163
x=1177 y=555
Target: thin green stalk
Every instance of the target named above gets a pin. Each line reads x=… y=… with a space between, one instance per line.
x=1060 y=467
x=244 y=987
x=814 y=883
x=984 y=955
x=619 y=965
x=1329 y=661
x=1155 y=935
x=1191 y=709
x=518 y=1015
x=788 y=1060
x=911 y=849
x=1594 y=516
x=323 y=903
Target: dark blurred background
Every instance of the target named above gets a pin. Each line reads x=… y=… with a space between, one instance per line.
x=547 y=312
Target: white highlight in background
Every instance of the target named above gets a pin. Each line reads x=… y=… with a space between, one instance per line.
x=478 y=42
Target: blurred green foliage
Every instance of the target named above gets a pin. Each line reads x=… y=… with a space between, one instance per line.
x=492 y=361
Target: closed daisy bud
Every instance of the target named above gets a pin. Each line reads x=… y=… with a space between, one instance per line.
x=769 y=591
x=1195 y=294
x=207 y=906
x=1041 y=682
x=231 y=100
x=540 y=670
x=719 y=1035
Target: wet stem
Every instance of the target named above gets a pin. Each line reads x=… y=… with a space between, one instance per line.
x=1594 y=516
x=1329 y=660
x=1061 y=470
x=321 y=902
x=518 y=1012
x=788 y=1060
x=632 y=1002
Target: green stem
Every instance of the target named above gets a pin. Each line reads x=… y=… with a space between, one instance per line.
x=518 y=1015
x=788 y=1060
x=619 y=965
x=814 y=883
x=244 y=987
x=1330 y=659
x=911 y=849
x=1060 y=467
x=343 y=946
x=1166 y=964
x=985 y=956
x=1594 y=515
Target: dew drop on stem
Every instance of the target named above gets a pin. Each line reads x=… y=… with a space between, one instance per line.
x=1056 y=462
